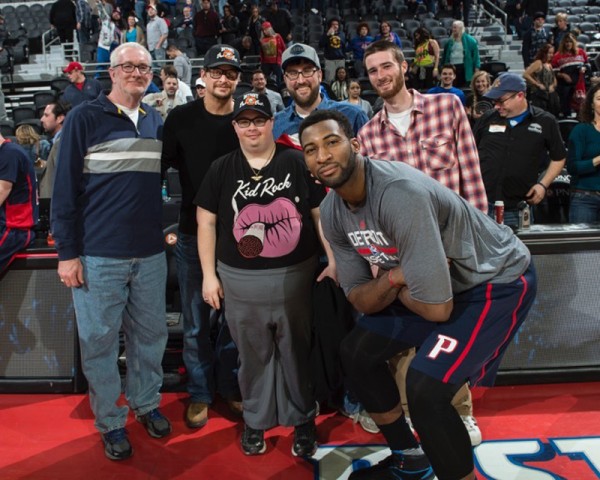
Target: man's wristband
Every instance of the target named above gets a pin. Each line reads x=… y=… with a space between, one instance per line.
x=543 y=186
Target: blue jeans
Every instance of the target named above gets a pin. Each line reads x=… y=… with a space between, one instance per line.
x=209 y=368
x=511 y=217
x=128 y=294
x=584 y=207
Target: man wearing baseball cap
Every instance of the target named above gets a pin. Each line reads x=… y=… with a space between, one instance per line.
x=302 y=75
x=200 y=88
x=81 y=88
x=535 y=38
x=156 y=34
x=258 y=220
x=511 y=140
x=196 y=134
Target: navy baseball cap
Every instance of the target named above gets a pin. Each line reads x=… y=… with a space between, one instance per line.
x=506 y=83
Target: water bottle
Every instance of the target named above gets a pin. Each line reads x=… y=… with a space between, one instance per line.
x=164 y=193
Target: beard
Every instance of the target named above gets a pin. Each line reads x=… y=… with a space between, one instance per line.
x=344 y=176
x=397 y=86
x=305 y=103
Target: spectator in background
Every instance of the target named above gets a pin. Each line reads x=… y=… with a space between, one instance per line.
x=259 y=85
x=510 y=141
x=466 y=10
x=63 y=17
x=424 y=70
x=542 y=81
x=560 y=29
x=184 y=25
x=200 y=88
x=583 y=162
x=37 y=148
x=280 y=19
x=134 y=32
x=271 y=49
x=245 y=46
x=184 y=93
x=385 y=33
x=81 y=88
x=157 y=32
x=358 y=44
x=230 y=25
x=83 y=14
x=181 y=63
x=52 y=120
x=568 y=62
x=17 y=191
x=206 y=27
x=354 y=98
x=447 y=76
x=166 y=100
x=477 y=104
x=253 y=26
x=340 y=84
x=106 y=38
x=333 y=44
x=462 y=51
x=534 y=39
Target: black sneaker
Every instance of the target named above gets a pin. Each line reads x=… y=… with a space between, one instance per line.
x=305 y=440
x=397 y=467
x=253 y=441
x=116 y=444
x=157 y=425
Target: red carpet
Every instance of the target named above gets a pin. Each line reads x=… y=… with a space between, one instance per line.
x=538 y=432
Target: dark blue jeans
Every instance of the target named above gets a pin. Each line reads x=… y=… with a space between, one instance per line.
x=211 y=366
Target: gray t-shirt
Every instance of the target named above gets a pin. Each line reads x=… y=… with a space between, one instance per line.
x=411 y=220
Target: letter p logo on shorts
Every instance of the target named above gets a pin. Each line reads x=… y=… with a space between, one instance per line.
x=444 y=344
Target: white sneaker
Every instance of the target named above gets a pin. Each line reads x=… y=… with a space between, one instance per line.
x=472 y=429
x=366 y=422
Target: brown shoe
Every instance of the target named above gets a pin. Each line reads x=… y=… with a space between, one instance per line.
x=236 y=407
x=196 y=415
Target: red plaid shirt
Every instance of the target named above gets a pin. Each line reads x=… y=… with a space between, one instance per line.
x=439 y=142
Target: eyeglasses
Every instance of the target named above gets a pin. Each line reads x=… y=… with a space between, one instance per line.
x=245 y=122
x=217 y=73
x=306 y=73
x=129 y=68
x=502 y=101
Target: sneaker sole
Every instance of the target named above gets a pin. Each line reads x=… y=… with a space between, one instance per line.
x=295 y=454
x=151 y=432
x=196 y=424
x=115 y=458
x=258 y=452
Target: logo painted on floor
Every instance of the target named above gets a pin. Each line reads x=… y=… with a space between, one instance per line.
x=565 y=458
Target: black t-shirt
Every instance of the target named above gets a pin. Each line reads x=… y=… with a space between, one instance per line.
x=511 y=158
x=193 y=138
x=267 y=223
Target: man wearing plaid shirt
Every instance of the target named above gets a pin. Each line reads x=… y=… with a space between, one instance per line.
x=432 y=134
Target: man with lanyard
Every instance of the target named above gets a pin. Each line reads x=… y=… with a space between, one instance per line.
x=514 y=141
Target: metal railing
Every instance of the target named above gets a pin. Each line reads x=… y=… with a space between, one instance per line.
x=487 y=7
x=70 y=50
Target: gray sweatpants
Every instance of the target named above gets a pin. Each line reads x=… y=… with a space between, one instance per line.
x=269 y=315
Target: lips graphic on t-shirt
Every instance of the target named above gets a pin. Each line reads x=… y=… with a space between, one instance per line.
x=269 y=231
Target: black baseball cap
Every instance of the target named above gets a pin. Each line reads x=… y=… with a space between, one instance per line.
x=256 y=102
x=219 y=55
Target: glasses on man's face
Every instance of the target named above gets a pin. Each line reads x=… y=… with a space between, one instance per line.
x=501 y=101
x=257 y=122
x=306 y=73
x=130 y=67
x=217 y=73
